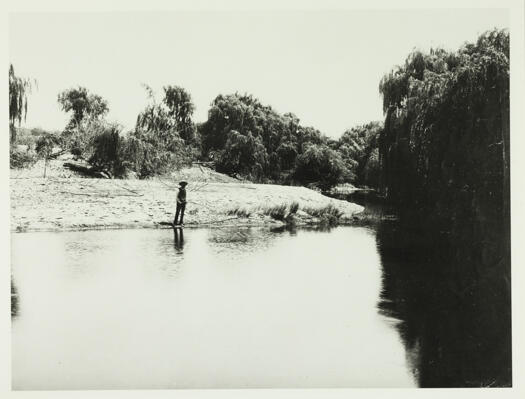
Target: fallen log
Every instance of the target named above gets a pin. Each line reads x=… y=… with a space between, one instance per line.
x=86 y=170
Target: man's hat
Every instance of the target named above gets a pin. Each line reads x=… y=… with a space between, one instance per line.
x=183 y=183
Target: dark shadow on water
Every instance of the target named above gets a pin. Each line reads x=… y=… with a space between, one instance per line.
x=178 y=240
x=292 y=230
x=14 y=300
x=453 y=304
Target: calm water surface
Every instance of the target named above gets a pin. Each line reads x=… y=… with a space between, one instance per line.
x=222 y=308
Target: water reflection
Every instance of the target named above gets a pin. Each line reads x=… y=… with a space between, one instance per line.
x=203 y=308
x=455 y=313
x=240 y=242
x=14 y=299
x=178 y=240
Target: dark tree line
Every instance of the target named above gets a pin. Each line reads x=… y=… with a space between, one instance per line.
x=445 y=144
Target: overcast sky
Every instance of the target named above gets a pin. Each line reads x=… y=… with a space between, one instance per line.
x=324 y=66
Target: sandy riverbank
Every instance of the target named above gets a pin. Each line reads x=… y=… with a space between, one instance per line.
x=70 y=203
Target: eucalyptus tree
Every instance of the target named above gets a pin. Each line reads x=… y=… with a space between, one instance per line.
x=19 y=88
x=82 y=104
x=86 y=121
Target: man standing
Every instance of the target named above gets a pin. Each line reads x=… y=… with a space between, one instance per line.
x=181 y=204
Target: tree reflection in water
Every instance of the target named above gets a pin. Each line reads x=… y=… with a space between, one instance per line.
x=14 y=299
x=453 y=307
x=178 y=240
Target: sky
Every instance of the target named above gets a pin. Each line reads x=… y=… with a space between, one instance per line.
x=324 y=66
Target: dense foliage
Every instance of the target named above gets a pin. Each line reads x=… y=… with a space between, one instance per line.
x=359 y=150
x=319 y=164
x=244 y=155
x=447 y=124
x=248 y=138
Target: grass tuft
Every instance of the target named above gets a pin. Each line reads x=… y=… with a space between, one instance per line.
x=240 y=212
x=282 y=212
x=277 y=212
x=328 y=215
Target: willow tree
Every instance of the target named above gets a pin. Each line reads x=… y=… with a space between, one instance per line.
x=444 y=147
x=180 y=109
x=244 y=154
x=163 y=133
x=281 y=136
x=446 y=123
x=19 y=88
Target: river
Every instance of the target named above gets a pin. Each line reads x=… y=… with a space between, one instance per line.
x=223 y=308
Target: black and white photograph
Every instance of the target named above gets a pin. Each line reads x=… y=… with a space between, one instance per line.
x=281 y=197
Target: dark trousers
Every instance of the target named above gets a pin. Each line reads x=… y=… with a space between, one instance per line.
x=180 y=210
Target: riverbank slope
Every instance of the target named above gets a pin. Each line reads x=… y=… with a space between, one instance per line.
x=60 y=203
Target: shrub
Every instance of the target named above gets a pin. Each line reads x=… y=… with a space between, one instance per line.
x=144 y=154
x=24 y=137
x=79 y=140
x=108 y=151
x=21 y=159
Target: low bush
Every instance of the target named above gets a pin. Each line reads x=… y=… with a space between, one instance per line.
x=108 y=152
x=145 y=155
